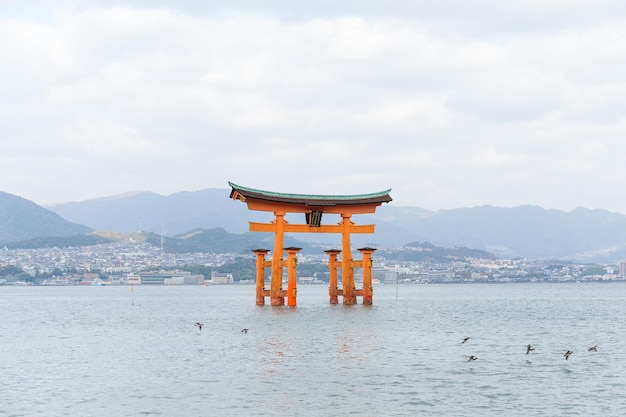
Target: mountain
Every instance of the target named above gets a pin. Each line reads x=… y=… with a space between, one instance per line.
x=200 y=240
x=427 y=252
x=217 y=240
x=182 y=212
x=58 y=241
x=168 y=215
x=524 y=231
x=21 y=219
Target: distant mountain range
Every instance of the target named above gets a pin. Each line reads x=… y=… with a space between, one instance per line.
x=22 y=219
x=524 y=231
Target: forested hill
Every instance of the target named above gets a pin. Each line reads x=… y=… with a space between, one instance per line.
x=22 y=219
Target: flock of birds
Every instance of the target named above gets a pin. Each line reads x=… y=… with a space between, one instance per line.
x=530 y=348
x=472 y=358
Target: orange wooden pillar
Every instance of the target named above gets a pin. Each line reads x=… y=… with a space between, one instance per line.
x=292 y=263
x=332 y=266
x=276 y=284
x=368 y=289
x=261 y=263
x=347 y=271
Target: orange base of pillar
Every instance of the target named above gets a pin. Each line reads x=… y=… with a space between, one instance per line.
x=260 y=301
x=333 y=294
x=278 y=301
x=349 y=301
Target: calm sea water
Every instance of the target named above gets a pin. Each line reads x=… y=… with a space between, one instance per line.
x=107 y=351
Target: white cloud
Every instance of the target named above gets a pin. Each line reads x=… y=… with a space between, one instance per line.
x=450 y=104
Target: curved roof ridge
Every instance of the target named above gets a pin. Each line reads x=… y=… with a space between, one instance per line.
x=378 y=194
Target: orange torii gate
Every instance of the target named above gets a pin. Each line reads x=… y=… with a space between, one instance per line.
x=313 y=206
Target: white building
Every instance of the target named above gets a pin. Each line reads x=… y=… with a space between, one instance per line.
x=222 y=278
x=133 y=279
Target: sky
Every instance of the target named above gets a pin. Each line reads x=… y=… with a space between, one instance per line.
x=450 y=103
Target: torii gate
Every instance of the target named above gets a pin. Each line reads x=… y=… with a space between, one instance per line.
x=313 y=206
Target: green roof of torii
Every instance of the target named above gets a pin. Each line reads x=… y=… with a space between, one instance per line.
x=311 y=199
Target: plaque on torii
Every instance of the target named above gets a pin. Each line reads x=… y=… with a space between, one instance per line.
x=313 y=207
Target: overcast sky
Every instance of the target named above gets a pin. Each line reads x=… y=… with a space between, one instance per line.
x=450 y=103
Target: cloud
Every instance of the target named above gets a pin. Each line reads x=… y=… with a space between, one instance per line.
x=449 y=103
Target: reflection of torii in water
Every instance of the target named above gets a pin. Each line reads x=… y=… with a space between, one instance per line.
x=313 y=207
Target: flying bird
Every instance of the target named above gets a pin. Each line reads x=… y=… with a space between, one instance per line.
x=465 y=340
x=244 y=330
x=567 y=354
x=593 y=348
x=472 y=358
x=199 y=326
x=529 y=349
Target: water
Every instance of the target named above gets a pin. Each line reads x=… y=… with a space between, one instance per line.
x=92 y=351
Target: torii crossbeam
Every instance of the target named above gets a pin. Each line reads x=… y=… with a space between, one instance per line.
x=313 y=206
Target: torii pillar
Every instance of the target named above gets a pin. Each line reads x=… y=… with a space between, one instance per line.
x=276 y=284
x=368 y=288
x=261 y=264
x=292 y=282
x=347 y=271
x=333 y=291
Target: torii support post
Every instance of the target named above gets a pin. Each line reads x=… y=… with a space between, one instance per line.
x=276 y=285
x=347 y=271
x=292 y=263
x=368 y=289
x=261 y=264
x=332 y=266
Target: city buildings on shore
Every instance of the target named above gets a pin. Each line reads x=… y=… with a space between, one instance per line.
x=139 y=263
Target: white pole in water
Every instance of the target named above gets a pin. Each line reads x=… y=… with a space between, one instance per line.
x=132 y=296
